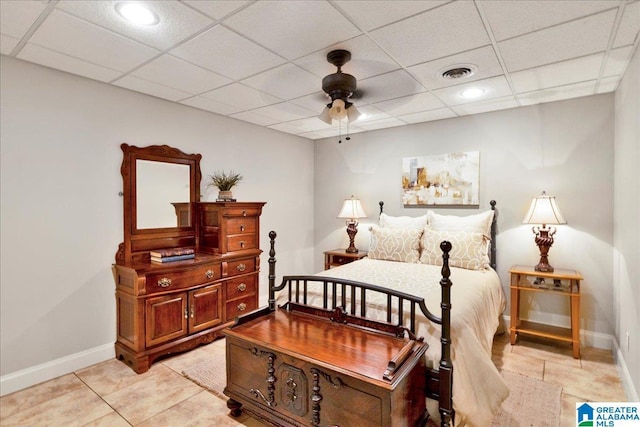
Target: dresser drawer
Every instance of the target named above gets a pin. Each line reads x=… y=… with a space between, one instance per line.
x=235 y=268
x=240 y=242
x=242 y=225
x=240 y=211
x=241 y=306
x=241 y=286
x=180 y=279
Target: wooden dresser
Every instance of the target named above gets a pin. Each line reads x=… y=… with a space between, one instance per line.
x=323 y=373
x=164 y=308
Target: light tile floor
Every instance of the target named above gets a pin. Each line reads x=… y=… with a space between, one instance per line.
x=110 y=394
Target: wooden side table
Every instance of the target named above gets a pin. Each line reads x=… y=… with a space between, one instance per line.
x=338 y=257
x=561 y=282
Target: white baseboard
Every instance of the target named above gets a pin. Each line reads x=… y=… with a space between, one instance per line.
x=629 y=388
x=19 y=380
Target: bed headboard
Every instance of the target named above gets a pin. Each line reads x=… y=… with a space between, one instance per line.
x=494 y=231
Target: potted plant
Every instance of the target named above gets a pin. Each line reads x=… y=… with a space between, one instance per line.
x=225 y=181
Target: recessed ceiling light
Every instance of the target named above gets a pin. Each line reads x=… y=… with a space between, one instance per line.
x=472 y=92
x=137 y=13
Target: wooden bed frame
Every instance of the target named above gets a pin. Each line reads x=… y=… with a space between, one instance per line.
x=439 y=382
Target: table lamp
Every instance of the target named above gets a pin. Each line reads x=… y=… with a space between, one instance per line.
x=352 y=210
x=544 y=210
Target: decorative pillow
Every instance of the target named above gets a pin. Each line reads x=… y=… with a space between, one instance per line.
x=468 y=250
x=388 y=221
x=478 y=223
x=394 y=244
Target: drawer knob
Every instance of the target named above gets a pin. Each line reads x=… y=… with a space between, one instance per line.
x=242 y=243
x=244 y=213
x=241 y=267
x=242 y=287
x=209 y=274
x=165 y=282
x=242 y=306
x=242 y=228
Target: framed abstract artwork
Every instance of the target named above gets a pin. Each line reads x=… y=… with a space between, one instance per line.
x=441 y=180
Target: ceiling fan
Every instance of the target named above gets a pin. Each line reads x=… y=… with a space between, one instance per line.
x=339 y=87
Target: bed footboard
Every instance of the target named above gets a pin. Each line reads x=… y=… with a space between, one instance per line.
x=346 y=302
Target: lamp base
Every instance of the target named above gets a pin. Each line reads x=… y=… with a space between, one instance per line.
x=544 y=267
x=352 y=229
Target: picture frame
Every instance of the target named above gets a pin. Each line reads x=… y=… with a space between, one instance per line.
x=441 y=180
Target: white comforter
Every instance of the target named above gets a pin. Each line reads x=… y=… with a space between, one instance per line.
x=477 y=300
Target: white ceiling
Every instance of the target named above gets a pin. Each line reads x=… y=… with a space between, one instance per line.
x=263 y=61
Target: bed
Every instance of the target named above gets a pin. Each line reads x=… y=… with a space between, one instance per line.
x=430 y=277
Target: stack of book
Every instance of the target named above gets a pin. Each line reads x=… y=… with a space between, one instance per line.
x=172 y=254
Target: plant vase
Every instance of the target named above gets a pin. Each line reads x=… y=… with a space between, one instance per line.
x=225 y=195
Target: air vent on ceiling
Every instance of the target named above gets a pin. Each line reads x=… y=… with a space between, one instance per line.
x=456 y=72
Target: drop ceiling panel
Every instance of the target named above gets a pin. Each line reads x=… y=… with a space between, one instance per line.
x=80 y=39
x=373 y=14
x=292 y=28
x=7 y=44
x=151 y=88
x=427 y=116
x=495 y=87
x=441 y=32
x=484 y=59
x=176 y=21
x=389 y=86
x=576 y=38
x=263 y=61
x=60 y=61
x=241 y=96
x=410 y=104
x=285 y=82
x=513 y=18
x=558 y=74
x=16 y=17
x=216 y=9
x=173 y=72
x=225 y=52
x=629 y=25
x=367 y=59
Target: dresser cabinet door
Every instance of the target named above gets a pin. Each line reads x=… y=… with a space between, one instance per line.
x=166 y=318
x=205 y=308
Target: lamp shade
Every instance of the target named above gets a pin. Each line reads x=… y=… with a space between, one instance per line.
x=352 y=209
x=325 y=116
x=544 y=210
x=353 y=114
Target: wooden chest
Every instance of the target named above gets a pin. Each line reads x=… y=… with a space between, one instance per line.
x=294 y=369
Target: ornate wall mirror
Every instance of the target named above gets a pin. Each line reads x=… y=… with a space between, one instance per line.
x=160 y=186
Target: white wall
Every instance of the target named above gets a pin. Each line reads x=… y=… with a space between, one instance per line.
x=565 y=148
x=626 y=273
x=61 y=218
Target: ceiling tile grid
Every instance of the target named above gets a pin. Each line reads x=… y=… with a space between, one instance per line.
x=263 y=61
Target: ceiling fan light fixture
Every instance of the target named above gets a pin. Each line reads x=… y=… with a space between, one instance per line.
x=338 y=110
x=325 y=116
x=353 y=114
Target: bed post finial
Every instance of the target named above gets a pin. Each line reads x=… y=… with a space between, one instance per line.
x=446 y=364
x=272 y=271
x=381 y=203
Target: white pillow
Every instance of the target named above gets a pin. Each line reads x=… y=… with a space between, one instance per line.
x=478 y=223
x=388 y=221
x=468 y=250
x=395 y=244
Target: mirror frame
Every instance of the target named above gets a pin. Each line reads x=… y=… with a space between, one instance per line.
x=138 y=242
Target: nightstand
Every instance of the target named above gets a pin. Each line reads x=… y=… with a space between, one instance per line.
x=338 y=257
x=563 y=283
